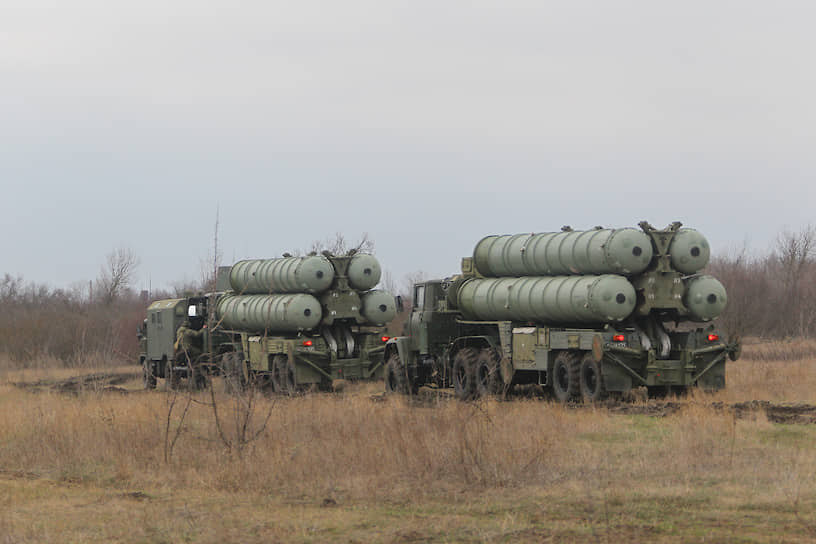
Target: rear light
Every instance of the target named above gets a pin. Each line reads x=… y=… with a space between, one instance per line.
x=385 y=338
x=713 y=337
x=307 y=343
x=618 y=338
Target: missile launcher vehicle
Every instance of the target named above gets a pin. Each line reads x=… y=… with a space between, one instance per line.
x=288 y=323
x=301 y=322
x=581 y=313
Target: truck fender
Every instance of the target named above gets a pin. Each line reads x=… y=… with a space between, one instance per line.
x=401 y=345
x=478 y=342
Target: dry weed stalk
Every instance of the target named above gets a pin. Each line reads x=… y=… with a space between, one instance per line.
x=243 y=402
x=173 y=430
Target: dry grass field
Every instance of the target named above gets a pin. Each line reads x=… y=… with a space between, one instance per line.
x=101 y=461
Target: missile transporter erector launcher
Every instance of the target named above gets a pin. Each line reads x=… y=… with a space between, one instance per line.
x=298 y=322
x=582 y=313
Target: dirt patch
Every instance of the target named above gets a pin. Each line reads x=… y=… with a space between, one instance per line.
x=19 y=475
x=100 y=382
x=111 y=382
x=778 y=413
x=655 y=409
x=775 y=412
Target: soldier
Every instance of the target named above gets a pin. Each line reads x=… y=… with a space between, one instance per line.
x=190 y=340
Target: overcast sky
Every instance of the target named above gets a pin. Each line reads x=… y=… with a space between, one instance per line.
x=426 y=125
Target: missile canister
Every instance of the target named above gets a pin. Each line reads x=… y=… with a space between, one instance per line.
x=689 y=251
x=556 y=299
x=379 y=307
x=601 y=251
x=705 y=298
x=364 y=272
x=285 y=275
x=259 y=313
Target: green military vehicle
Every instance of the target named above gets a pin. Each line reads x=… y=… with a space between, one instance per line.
x=289 y=324
x=581 y=313
x=304 y=322
x=175 y=342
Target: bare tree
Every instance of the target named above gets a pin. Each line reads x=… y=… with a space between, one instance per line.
x=186 y=287
x=794 y=254
x=10 y=287
x=209 y=265
x=794 y=251
x=340 y=246
x=389 y=283
x=117 y=274
x=745 y=278
x=771 y=294
x=409 y=280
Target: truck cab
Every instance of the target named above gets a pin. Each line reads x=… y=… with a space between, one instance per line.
x=162 y=357
x=164 y=317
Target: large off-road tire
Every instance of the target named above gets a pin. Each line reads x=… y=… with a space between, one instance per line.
x=148 y=374
x=278 y=371
x=172 y=379
x=396 y=380
x=487 y=378
x=464 y=371
x=565 y=378
x=291 y=378
x=200 y=380
x=198 y=373
x=591 y=380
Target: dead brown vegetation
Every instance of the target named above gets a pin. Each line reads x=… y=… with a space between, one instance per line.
x=45 y=327
x=359 y=465
x=771 y=294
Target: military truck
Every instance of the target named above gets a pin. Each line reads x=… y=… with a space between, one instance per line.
x=304 y=322
x=175 y=343
x=581 y=313
x=288 y=324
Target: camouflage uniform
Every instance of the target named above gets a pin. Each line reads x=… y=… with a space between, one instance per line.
x=189 y=342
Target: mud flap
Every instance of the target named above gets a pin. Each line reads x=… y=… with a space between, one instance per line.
x=714 y=378
x=615 y=378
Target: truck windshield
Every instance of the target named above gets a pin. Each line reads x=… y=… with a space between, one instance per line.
x=419 y=296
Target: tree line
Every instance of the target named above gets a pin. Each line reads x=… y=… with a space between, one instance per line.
x=87 y=324
x=771 y=295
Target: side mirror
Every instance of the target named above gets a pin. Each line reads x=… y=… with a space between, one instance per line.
x=400 y=307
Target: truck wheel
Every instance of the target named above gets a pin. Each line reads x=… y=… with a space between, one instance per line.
x=464 y=370
x=396 y=381
x=487 y=372
x=171 y=378
x=200 y=380
x=289 y=377
x=592 y=384
x=148 y=375
x=279 y=373
x=198 y=372
x=566 y=370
